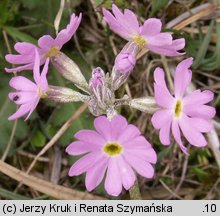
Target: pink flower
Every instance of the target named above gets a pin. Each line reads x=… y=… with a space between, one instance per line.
x=47 y=47
x=115 y=148
x=188 y=113
x=27 y=92
x=147 y=35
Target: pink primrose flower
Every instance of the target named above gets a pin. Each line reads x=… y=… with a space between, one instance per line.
x=47 y=47
x=28 y=93
x=115 y=148
x=148 y=35
x=186 y=113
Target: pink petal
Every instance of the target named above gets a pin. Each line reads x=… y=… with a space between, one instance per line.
x=142 y=167
x=182 y=77
x=103 y=127
x=23 y=97
x=126 y=25
x=21 y=83
x=161 y=117
x=113 y=182
x=170 y=50
x=79 y=147
x=151 y=27
x=192 y=135
x=115 y=26
x=66 y=34
x=20 y=68
x=43 y=77
x=33 y=107
x=85 y=163
x=128 y=176
x=46 y=42
x=161 y=39
x=127 y=21
x=177 y=136
x=165 y=133
x=137 y=142
x=199 y=111
x=202 y=125
x=131 y=18
x=36 y=70
x=110 y=130
x=146 y=154
x=19 y=59
x=161 y=92
x=90 y=137
x=96 y=173
x=128 y=133
x=198 y=97
x=23 y=110
x=118 y=124
x=25 y=47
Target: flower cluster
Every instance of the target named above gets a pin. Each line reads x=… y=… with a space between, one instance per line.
x=115 y=149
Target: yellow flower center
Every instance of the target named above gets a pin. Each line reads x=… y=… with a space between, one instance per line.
x=139 y=41
x=41 y=93
x=178 y=108
x=112 y=149
x=52 y=52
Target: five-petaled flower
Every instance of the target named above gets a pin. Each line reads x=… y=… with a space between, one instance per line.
x=27 y=92
x=116 y=147
x=47 y=47
x=147 y=35
x=186 y=112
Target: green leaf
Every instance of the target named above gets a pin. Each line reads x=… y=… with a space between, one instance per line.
x=210 y=63
x=19 y=35
x=38 y=139
x=157 y=5
x=192 y=46
x=201 y=174
x=11 y=195
x=8 y=11
x=98 y=2
x=204 y=47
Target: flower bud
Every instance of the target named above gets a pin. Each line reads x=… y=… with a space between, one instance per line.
x=98 y=78
x=64 y=95
x=101 y=96
x=69 y=70
x=98 y=85
x=144 y=104
x=125 y=62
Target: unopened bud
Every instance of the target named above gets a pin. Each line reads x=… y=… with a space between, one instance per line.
x=64 y=95
x=69 y=70
x=144 y=104
x=98 y=78
x=101 y=96
x=98 y=87
x=125 y=62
